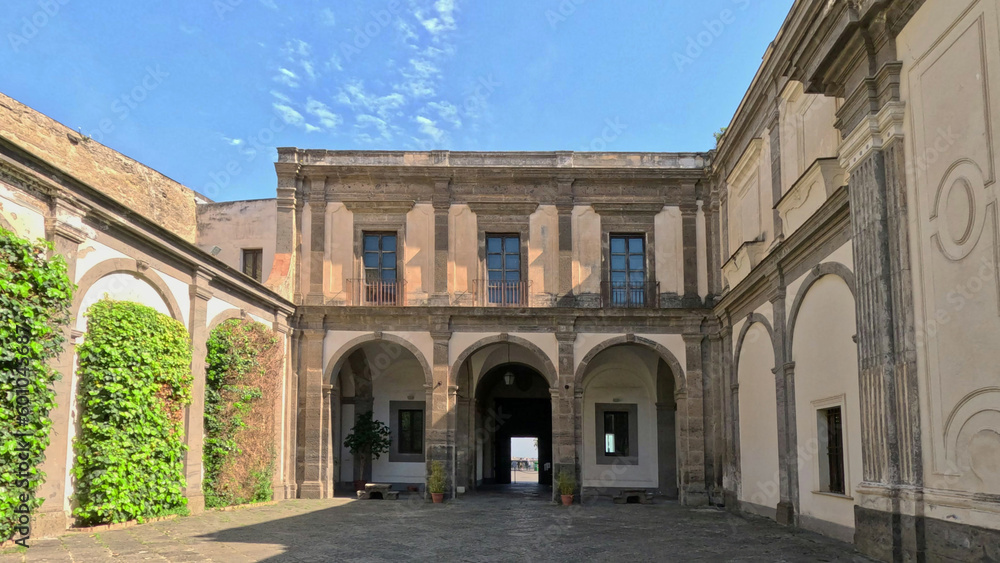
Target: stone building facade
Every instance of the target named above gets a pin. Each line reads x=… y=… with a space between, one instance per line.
x=798 y=324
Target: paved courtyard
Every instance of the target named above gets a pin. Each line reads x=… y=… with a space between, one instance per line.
x=486 y=527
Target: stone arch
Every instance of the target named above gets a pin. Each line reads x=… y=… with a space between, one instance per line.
x=548 y=368
x=125 y=266
x=340 y=356
x=820 y=271
x=752 y=318
x=227 y=315
x=665 y=354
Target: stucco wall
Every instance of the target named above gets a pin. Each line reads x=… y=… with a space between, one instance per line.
x=21 y=213
x=758 y=422
x=404 y=382
x=950 y=51
x=234 y=226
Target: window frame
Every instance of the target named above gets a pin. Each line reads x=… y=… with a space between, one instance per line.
x=821 y=467
x=395 y=408
x=380 y=253
x=631 y=411
x=258 y=253
x=504 y=254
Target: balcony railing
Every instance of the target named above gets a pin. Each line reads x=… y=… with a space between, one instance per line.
x=376 y=293
x=502 y=293
x=630 y=295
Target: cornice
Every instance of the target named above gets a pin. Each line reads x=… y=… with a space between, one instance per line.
x=379 y=206
x=627 y=208
x=503 y=208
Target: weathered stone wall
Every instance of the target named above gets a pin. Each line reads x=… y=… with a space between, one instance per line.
x=139 y=188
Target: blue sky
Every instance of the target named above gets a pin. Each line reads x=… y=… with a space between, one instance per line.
x=204 y=90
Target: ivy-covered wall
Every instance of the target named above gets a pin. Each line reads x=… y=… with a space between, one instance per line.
x=243 y=378
x=134 y=381
x=35 y=297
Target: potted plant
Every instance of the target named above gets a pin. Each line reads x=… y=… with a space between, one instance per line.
x=369 y=437
x=436 y=482
x=566 y=483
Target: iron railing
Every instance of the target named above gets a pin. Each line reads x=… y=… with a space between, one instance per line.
x=377 y=293
x=630 y=295
x=502 y=293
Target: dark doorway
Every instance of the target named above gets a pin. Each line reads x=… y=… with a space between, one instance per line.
x=513 y=400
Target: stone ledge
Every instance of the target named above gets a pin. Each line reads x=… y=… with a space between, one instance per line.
x=120 y=525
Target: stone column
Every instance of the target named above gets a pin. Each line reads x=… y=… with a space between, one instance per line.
x=730 y=390
x=564 y=452
x=689 y=230
x=282 y=418
x=63 y=228
x=312 y=418
x=788 y=473
x=287 y=234
x=317 y=240
x=440 y=434
x=564 y=206
x=326 y=464
x=442 y=205
x=691 y=427
x=194 y=430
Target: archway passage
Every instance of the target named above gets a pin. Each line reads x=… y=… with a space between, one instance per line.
x=512 y=401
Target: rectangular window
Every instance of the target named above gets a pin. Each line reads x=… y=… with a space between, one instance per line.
x=379 y=256
x=503 y=269
x=834 y=450
x=616 y=433
x=411 y=431
x=406 y=426
x=253 y=263
x=628 y=271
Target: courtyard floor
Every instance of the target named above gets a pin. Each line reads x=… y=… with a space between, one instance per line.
x=518 y=526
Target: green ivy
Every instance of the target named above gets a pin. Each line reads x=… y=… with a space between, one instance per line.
x=241 y=381
x=135 y=380
x=35 y=297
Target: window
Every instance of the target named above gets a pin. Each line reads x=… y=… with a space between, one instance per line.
x=411 y=431
x=407 y=431
x=503 y=269
x=616 y=433
x=832 y=426
x=380 y=283
x=628 y=271
x=253 y=263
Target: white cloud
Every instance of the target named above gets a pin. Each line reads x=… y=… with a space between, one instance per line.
x=311 y=128
x=356 y=96
x=441 y=20
x=429 y=127
x=289 y=115
x=327 y=118
x=269 y=4
x=308 y=67
x=448 y=112
x=327 y=17
x=281 y=96
x=335 y=63
x=287 y=77
x=365 y=121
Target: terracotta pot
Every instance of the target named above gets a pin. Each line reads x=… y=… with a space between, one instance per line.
x=437 y=497
x=567 y=500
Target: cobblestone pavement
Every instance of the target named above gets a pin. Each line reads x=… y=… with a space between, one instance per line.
x=485 y=527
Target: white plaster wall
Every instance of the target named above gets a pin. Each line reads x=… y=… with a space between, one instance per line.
x=339 y=253
x=463 y=249
x=92 y=253
x=807 y=132
x=826 y=374
x=423 y=342
x=951 y=58
x=758 y=421
x=418 y=253
x=333 y=344
x=120 y=287
x=669 y=230
x=843 y=256
x=233 y=226
x=19 y=216
x=181 y=291
x=586 y=250
x=463 y=341
x=623 y=376
x=404 y=381
x=543 y=250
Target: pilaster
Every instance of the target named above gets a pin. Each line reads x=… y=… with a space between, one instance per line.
x=194 y=425
x=442 y=206
x=440 y=422
x=317 y=240
x=563 y=409
x=785 y=409
x=689 y=230
x=312 y=417
x=564 y=207
x=691 y=427
x=62 y=229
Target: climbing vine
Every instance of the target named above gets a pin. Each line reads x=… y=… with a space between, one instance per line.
x=35 y=297
x=242 y=383
x=135 y=380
